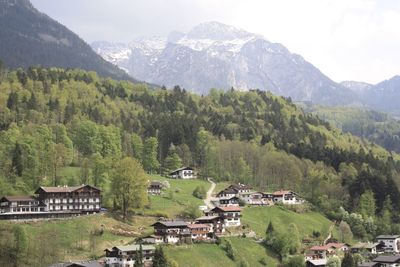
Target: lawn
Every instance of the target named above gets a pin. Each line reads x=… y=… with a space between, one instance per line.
x=258 y=219
x=210 y=255
x=73 y=235
x=175 y=199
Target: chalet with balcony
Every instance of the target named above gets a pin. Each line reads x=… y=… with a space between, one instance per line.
x=85 y=199
x=391 y=243
x=215 y=223
x=322 y=252
x=172 y=232
x=183 y=173
x=229 y=201
x=155 y=188
x=388 y=261
x=241 y=188
x=20 y=204
x=287 y=197
x=199 y=231
x=124 y=256
x=230 y=215
x=227 y=193
x=370 y=248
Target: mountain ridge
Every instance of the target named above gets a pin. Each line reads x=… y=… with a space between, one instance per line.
x=30 y=37
x=233 y=58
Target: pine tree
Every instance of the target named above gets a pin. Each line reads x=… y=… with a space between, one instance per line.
x=159 y=258
x=348 y=261
x=16 y=163
x=139 y=257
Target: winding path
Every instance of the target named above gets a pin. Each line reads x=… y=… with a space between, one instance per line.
x=208 y=199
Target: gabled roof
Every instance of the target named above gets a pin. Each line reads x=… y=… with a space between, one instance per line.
x=62 y=189
x=181 y=169
x=227 y=209
x=281 y=192
x=228 y=191
x=387 y=236
x=156 y=184
x=134 y=247
x=387 y=259
x=18 y=198
x=77 y=264
x=240 y=186
x=207 y=218
x=320 y=262
x=229 y=198
x=198 y=225
x=365 y=245
x=328 y=246
x=171 y=223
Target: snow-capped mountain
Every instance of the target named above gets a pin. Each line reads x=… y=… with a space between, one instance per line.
x=215 y=55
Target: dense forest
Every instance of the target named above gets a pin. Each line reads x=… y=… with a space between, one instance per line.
x=54 y=118
x=378 y=127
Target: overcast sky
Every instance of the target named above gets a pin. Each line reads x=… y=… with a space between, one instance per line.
x=346 y=39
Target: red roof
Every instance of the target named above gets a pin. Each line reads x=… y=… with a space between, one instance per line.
x=229 y=208
x=328 y=246
x=197 y=225
x=281 y=193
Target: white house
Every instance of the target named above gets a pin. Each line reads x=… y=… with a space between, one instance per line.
x=183 y=173
x=287 y=197
x=230 y=215
x=391 y=242
x=124 y=256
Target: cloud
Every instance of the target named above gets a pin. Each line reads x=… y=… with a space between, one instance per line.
x=346 y=39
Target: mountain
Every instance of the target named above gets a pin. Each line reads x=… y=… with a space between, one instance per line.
x=357 y=87
x=215 y=55
x=29 y=37
x=384 y=96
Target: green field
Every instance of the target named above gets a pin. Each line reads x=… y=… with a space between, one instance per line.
x=209 y=255
x=182 y=196
x=258 y=219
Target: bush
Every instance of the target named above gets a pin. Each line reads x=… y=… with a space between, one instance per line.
x=200 y=192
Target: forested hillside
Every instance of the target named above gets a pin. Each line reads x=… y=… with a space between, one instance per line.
x=53 y=118
x=378 y=127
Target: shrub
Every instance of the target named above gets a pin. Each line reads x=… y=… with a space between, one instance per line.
x=200 y=192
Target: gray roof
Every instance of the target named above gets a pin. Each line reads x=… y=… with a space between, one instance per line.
x=172 y=223
x=387 y=236
x=77 y=264
x=321 y=262
x=205 y=218
x=181 y=169
x=387 y=259
x=368 y=264
x=134 y=247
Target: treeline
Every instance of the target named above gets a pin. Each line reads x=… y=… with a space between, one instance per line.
x=375 y=126
x=54 y=118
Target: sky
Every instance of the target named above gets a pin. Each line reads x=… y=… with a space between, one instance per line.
x=346 y=39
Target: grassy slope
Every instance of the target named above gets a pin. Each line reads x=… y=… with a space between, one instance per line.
x=182 y=196
x=74 y=233
x=258 y=219
x=213 y=255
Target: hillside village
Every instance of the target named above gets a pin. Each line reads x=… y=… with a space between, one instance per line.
x=221 y=218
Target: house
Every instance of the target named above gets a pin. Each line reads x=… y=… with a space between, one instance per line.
x=369 y=264
x=287 y=197
x=215 y=223
x=372 y=248
x=183 y=173
x=52 y=202
x=241 y=188
x=227 y=193
x=125 y=256
x=172 y=232
x=84 y=198
x=391 y=243
x=18 y=204
x=322 y=252
x=388 y=261
x=78 y=264
x=230 y=215
x=229 y=201
x=154 y=188
x=316 y=263
x=152 y=239
x=199 y=231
